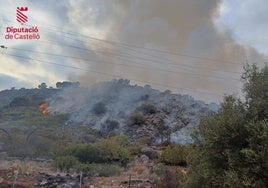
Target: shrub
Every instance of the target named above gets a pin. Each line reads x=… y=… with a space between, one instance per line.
x=99 y=108
x=136 y=119
x=147 y=108
x=109 y=170
x=109 y=126
x=144 y=97
x=115 y=149
x=175 y=154
x=20 y=101
x=112 y=125
x=172 y=177
x=65 y=162
x=85 y=153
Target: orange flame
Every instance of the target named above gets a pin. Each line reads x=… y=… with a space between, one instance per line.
x=43 y=108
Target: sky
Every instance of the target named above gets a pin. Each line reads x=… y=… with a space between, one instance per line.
x=196 y=47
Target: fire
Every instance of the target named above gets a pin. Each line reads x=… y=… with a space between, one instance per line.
x=43 y=108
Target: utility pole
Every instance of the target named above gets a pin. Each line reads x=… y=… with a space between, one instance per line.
x=81 y=177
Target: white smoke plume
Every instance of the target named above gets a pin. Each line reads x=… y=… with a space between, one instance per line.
x=184 y=27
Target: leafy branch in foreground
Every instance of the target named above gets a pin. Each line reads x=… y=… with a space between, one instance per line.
x=232 y=145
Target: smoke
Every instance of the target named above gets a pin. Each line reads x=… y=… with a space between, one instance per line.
x=186 y=27
x=187 y=30
x=117 y=101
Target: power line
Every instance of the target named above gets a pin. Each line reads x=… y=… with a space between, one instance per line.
x=198 y=75
x=129 y=47
x=136 y=47
x=111 y=75
x=120 y=56
x=145 y=48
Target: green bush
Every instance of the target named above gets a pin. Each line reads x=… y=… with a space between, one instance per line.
x=85 y=153
x=175 y=154
x=113 y=149
x=172 y=177
x=65 y=162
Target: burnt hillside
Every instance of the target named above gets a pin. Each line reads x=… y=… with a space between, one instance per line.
x=114 y=107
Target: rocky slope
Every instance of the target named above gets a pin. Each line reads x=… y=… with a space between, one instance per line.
x=118 y=107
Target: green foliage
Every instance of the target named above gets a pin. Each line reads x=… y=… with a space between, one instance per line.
x=233 y=144
x=20 y=101
x=114 y=149
x=99 y=108
x=172 y=177
x=85 y=153
x=136 y=119
x=65 y=162
x=175 y=154
x=256 y=91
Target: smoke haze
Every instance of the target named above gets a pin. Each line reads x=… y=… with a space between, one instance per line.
x=186 y=27
x=202 y=57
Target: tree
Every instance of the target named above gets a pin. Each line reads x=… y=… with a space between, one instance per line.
x=42 y=86
x=136 y=119
x=64 y=85
x=232 y=145
x=256 y=91
x=99 y=108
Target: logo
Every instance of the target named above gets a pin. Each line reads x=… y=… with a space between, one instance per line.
x=21 y=16
x=23 y=32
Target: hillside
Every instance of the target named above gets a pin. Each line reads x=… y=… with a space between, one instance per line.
x=117 y=106
x=133 y=110
x=81 y=121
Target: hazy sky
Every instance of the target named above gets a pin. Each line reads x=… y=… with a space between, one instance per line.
x=206 y=43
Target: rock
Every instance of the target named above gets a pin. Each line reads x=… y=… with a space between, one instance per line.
x=1 y=180
x=149 y=152
x=142 y=159
x=57 y=181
